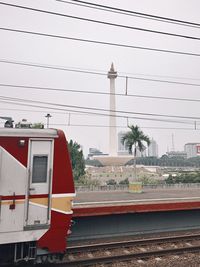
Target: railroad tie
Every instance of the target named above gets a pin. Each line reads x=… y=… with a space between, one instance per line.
x=188 y=244
x=176 y=257
x=71 y=257
x=158 y=259
x=140 y=261
x=126 y=251
x=90 y=255
x=108 y=253
x=143 y=249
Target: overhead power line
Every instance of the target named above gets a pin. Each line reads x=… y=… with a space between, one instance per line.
x=106 y=126
x=102 y=22
x=101 y=73
x=133 y=13
x=162 y=81
x=31 y=110
x=98 y=42
x=120 y=126
x=97 y=92
x=54 y=67
x=80 y=108
x=9 y=101
x=90 y=125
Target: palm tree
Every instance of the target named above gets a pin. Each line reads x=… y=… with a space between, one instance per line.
x=135 y=138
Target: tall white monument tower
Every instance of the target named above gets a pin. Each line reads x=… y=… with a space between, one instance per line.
x=113 y=159
x=112 y=75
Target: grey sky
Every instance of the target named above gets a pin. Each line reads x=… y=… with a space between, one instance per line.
x=72 y=54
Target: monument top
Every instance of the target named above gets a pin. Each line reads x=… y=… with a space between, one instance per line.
x=112 y=74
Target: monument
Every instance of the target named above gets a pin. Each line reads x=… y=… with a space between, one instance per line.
x=113 y=159
x=112 y=75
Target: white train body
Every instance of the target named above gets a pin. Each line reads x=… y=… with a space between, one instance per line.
x=36 y=189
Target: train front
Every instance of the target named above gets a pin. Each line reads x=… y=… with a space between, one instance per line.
x=36 y=193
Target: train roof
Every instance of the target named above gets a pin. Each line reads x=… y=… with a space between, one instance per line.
x=14 y=132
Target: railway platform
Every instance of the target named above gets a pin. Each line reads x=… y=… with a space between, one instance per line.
x=96 y=203
x=99 y=214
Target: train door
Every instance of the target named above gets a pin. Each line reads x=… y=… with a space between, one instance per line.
x=39 y=183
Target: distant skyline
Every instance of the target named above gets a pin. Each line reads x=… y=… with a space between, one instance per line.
x=39 y=68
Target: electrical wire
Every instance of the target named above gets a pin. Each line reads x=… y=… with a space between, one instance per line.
x=76 y=70
x=54 y=67
x=114 y=11
x=120 y=126
x=102 y=126
x=79 y=113
x=102 y=22
x=31 y=110
x=95 y=113
x=91 y=109
x=134 y=13
x=98 y=92
x=98 y=42
x=85 y=125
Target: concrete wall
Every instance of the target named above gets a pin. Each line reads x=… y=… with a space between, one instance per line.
x=133 y=224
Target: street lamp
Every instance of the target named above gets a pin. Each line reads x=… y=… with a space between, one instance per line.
x=48 y=116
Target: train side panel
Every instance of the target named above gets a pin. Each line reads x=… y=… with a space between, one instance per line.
x=62 y=196
x=36 y=190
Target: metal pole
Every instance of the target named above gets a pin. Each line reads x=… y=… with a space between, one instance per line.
x=48 y=116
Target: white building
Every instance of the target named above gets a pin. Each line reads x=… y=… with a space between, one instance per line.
x=122 y=149
x=95 y=152
x=172 y=154
x=153 y=149
x=192 y=149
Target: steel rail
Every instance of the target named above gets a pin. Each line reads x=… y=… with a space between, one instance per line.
x=125 y=244
x=129 y=257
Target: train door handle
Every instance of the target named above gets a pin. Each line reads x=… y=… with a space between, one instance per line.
x=31 y=188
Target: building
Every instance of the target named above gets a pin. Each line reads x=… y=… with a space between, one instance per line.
x=192 y=149
x=95 y=152
x=122 y=149
x=180 y=154
x=153 y=149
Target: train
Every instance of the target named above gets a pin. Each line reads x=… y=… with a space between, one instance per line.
x=36 y=195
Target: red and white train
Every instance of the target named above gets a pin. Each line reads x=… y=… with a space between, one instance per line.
x=36 y=194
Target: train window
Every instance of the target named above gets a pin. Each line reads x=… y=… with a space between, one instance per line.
x=39 y=169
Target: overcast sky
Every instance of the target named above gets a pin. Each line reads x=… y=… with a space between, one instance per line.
x=20 y=47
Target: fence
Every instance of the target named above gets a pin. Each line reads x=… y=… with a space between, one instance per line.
x=125 y=187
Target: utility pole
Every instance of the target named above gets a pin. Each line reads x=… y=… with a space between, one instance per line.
x=48 y=116
x=173 y=146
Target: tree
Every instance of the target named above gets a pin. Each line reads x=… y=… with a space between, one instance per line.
x=134 y=140
x=170 y=180
x=124 y=182
x=111 y=182
x=37 y=125
x=77 y=160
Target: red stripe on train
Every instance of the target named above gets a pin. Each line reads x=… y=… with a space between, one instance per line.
x=18 y=197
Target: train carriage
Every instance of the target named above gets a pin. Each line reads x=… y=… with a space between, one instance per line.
x=36 y=193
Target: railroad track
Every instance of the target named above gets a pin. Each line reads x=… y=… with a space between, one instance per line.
x=111 y=252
